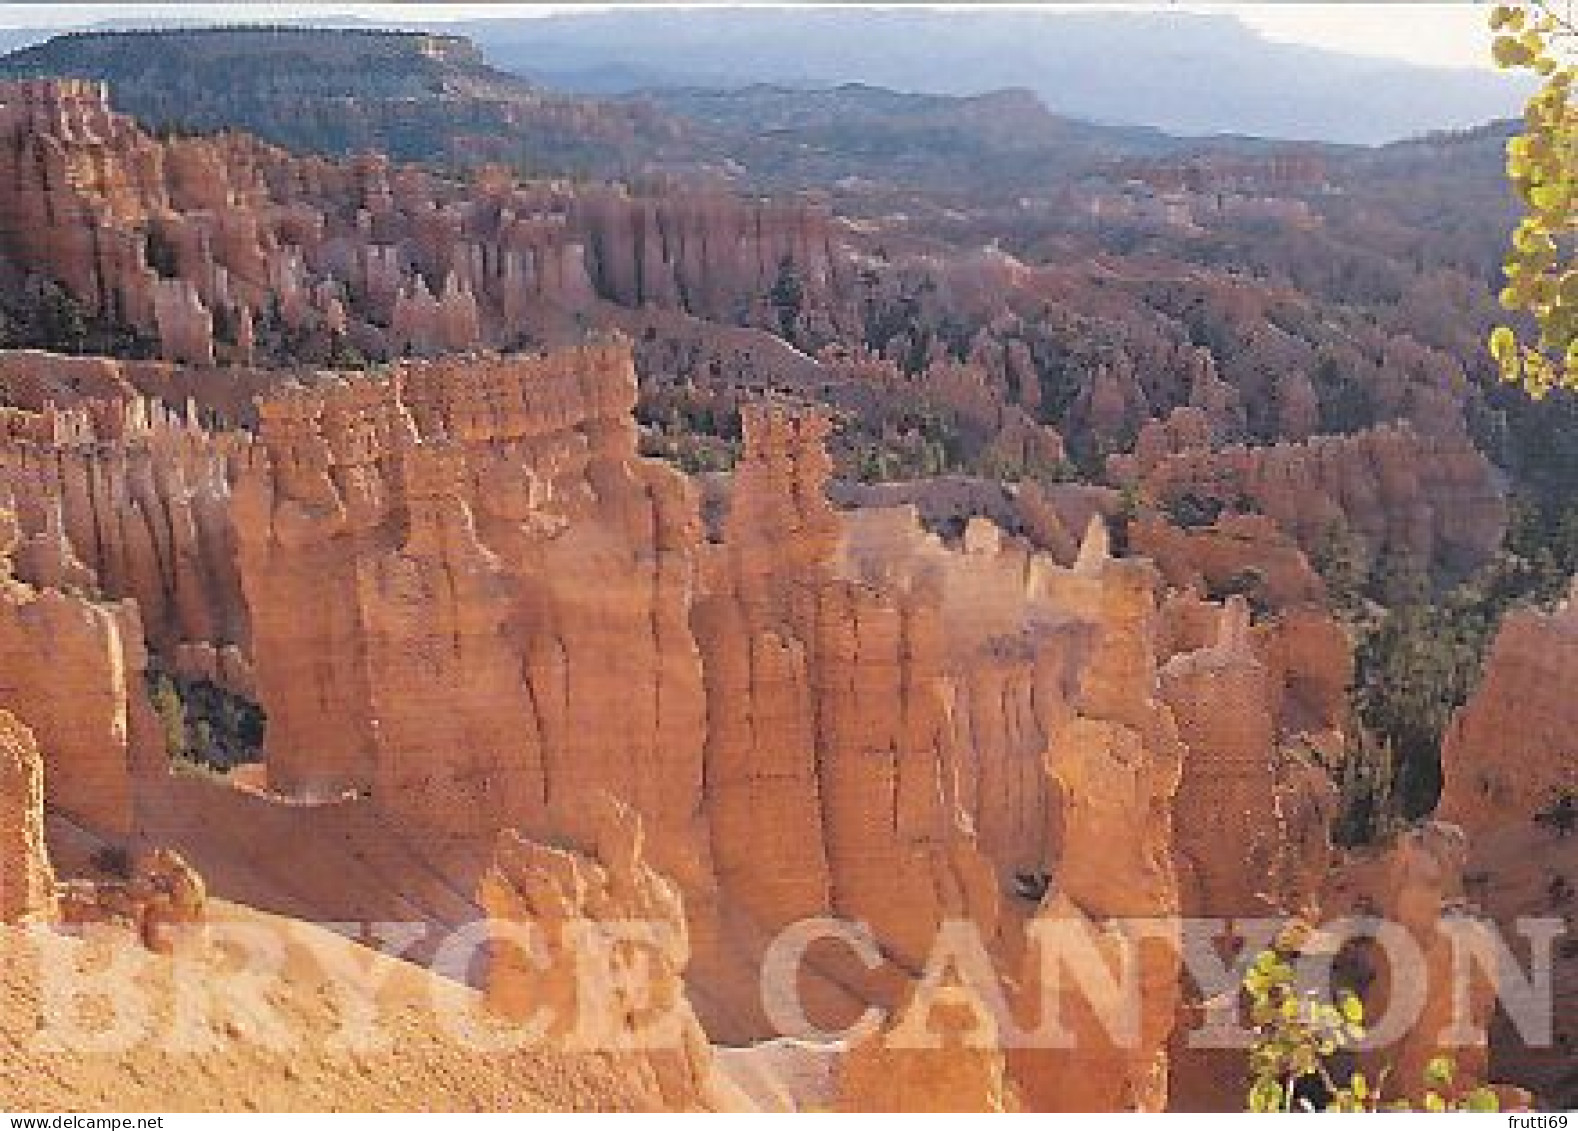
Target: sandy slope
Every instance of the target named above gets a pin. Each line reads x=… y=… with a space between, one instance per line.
x=289 y=1053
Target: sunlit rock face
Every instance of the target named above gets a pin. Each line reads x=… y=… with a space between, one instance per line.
x=74 y=678
x=583 y=907
x=507 y=611
x=27 y=882
x=1510 y=780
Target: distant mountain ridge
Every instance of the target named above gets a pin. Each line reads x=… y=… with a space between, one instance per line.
x=364 y=63
x=434 y=98
x=1003 y=142
x=1180 y=72
x=421 y=96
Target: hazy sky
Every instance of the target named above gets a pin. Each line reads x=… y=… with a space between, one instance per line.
x=1440 y=34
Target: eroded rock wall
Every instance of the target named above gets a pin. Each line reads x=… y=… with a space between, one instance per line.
x=225 y=248
x=130 y=500
x=1511 y=780
x=470 y=599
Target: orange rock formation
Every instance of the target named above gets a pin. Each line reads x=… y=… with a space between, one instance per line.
x=590 y=950
x=702 y=252
x=501 y=614
x=1222 y=699
x=1415 y=886
x=160 y=903
x=416 y=551
x=957 y=1069
x=1507 y=760
x=1244 y=550
x=469 y=606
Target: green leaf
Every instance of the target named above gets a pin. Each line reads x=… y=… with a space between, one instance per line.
x=1439 y=1071
x=1265 y=1096
x=1483 y=1100
x=1548 y=198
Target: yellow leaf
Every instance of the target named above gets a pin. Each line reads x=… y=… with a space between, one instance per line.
x=1509 y=52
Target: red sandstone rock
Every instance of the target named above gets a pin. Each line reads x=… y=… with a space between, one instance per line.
x=872 y=696
x=1222 y=699
x=1416 y=885
x=826 y=712
x=27 y=883
x=701 y=252
x=186 y=328
x=1507 y=760
x=468 y=597
x=508 y=486
x=33 y=379
x=1237 y=550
